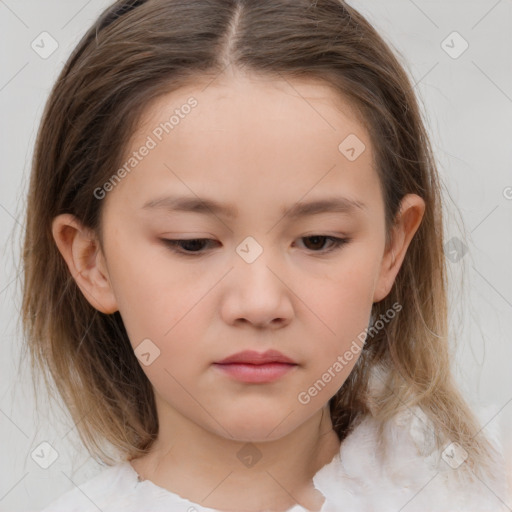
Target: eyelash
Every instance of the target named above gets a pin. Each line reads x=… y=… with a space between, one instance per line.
x=174 y=245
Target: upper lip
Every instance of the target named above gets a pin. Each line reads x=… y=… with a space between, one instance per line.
x=253 y=357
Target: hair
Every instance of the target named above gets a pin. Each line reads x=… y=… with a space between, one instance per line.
x=135 y=53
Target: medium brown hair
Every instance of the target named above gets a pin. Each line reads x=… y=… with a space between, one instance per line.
x=138 y=51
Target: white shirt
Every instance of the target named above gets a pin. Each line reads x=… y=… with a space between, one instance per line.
x=412 y=478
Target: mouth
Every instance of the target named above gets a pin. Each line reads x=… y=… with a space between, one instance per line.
x=254 y=367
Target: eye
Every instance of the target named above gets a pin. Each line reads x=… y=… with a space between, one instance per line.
x=190 y=245
x=336 y=242
x=194 y=246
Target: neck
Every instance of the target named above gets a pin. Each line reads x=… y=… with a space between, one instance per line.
x=227 y=474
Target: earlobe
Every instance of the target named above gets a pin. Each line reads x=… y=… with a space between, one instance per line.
x=412 y=209
x=82 y=254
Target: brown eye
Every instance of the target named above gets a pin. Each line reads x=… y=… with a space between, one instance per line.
x=317 y=243
x=197 y=246
x=191 y=246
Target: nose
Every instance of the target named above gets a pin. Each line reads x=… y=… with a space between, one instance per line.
x=257 y=294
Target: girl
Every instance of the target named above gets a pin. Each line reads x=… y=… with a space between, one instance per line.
x=234 y=268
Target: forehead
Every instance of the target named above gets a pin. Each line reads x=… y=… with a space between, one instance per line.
x=251 y=136
x=266 y=102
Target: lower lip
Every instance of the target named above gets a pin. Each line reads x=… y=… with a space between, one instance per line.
x=256 y=372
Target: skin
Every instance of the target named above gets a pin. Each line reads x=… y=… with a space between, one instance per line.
x=260 y=145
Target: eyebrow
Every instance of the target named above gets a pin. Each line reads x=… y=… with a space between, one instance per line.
x=210 y=207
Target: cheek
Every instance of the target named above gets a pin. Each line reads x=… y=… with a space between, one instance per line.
x=341 y=306
x=343 y=299
x=344 y=312
x=152 y=295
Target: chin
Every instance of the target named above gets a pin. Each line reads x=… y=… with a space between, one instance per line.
x=258 y=427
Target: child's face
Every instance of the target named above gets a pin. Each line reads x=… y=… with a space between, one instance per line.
x=261 y=147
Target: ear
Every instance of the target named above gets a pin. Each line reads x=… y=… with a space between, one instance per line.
x=407 y=222
x=82 y=253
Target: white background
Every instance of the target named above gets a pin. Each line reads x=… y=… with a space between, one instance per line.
x=468 y=105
